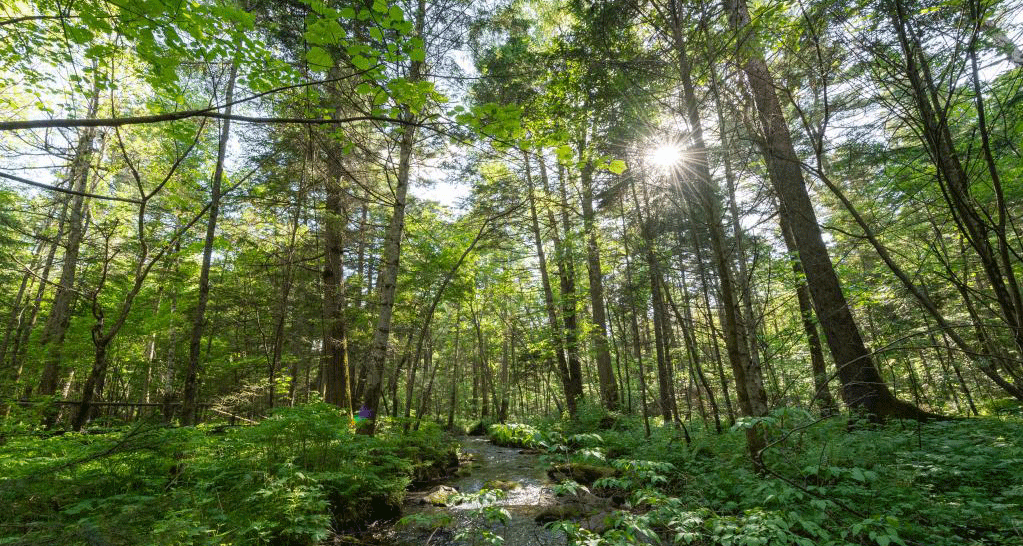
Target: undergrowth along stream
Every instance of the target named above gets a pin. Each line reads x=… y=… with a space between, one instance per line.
x=302 y=477
x=948 y=483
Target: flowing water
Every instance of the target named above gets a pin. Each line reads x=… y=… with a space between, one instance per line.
x=490 y=462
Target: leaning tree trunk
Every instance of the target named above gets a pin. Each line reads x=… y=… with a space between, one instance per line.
x=862 y=386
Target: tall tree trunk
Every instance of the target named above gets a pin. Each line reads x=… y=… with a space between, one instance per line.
x=937 y=136
x=557 y=340
x=191 y=389
x=748 y=377
x=564 y=251
x=822 y=394
x=285 y=294
x=336 y=372
x=605 y=372
x=637 y=346
x=391 y=253
x=667 y=401
x=748 y=316
x=862 y=385
x=455 y=378
x=51 y=343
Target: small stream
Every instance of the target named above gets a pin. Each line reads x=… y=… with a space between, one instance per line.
x=490 y=462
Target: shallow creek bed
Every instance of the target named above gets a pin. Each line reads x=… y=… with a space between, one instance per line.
x=527 y=494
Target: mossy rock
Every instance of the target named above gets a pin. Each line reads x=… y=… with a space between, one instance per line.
x=575 y=505
x=440 y=495
x=502 y=485
x=582 y=473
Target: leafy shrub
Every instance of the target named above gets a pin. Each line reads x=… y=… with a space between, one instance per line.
x=514 y=435
x=291 y=480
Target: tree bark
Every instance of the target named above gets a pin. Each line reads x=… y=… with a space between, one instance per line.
x=557 y=341
x=191 y=389
x=392 y=253
x=605 y=372
x=564 y=251
x=862 y=386
x=51 y=343
x=817 y=364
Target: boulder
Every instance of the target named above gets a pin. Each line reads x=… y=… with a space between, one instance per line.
x=597 y=523
x=582 y=504
x=478 y=429
x=582 y=473
x=440 y=495
x=502 y=485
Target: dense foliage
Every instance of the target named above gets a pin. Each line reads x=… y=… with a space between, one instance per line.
x=947 y=483
x=299 y=476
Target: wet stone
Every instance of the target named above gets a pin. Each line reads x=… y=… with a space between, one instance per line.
x=440 y=495
x=502 y=485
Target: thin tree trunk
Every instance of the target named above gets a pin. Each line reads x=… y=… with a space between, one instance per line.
x=454 y=369
x=391 y=254
x=605 y=373
x=191 y=388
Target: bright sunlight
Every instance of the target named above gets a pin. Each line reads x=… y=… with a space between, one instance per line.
x=665 y=155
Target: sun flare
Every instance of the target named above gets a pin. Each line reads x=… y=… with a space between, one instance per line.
x=665 y=155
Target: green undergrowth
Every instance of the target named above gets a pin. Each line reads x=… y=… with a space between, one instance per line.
x=951 y=483
x=514 y=435
x=294 y=479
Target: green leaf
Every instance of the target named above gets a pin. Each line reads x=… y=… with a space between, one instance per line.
x=319 y=58
x=564 y=153
x=857 y=474
x=360 y=62
x=617 y=166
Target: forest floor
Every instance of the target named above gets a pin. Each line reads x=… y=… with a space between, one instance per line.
x=301 y=477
